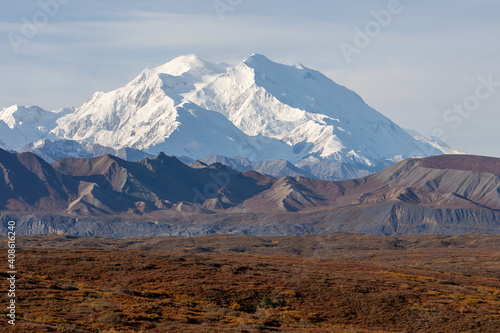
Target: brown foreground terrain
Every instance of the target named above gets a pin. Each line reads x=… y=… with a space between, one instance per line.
x=221 y=283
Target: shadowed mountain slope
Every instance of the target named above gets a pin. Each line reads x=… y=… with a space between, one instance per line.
x=29 y=183
x=447 y=194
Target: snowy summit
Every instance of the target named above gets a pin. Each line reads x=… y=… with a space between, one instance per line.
x=259 y=110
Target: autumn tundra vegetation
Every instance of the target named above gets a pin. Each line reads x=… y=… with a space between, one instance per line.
x=223 y=283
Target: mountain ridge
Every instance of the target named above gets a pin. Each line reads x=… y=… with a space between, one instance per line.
x=444 y=194
x=258 y=110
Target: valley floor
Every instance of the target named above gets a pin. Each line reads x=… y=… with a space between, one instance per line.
x=218 y=283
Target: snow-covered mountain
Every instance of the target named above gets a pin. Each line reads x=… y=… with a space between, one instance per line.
x=259 y=110
x=52 y=151
x=21 y=125
x=310 y=167
x=306 y=110
x=152 y=113
x=433 y=141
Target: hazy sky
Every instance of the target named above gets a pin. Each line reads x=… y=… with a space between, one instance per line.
x=433 y=66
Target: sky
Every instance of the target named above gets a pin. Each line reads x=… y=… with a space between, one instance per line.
x=432 y=66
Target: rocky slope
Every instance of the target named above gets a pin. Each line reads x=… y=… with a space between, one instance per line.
x=451 y=194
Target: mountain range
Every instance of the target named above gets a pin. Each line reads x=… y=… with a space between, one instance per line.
x=108 y=196
x=279 y=119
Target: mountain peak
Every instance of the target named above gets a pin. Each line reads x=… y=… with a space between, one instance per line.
x=190 y=63
x=164 y=159
x=257 y=59
x=22 y=125
x=181 y=65
x=260 y=109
